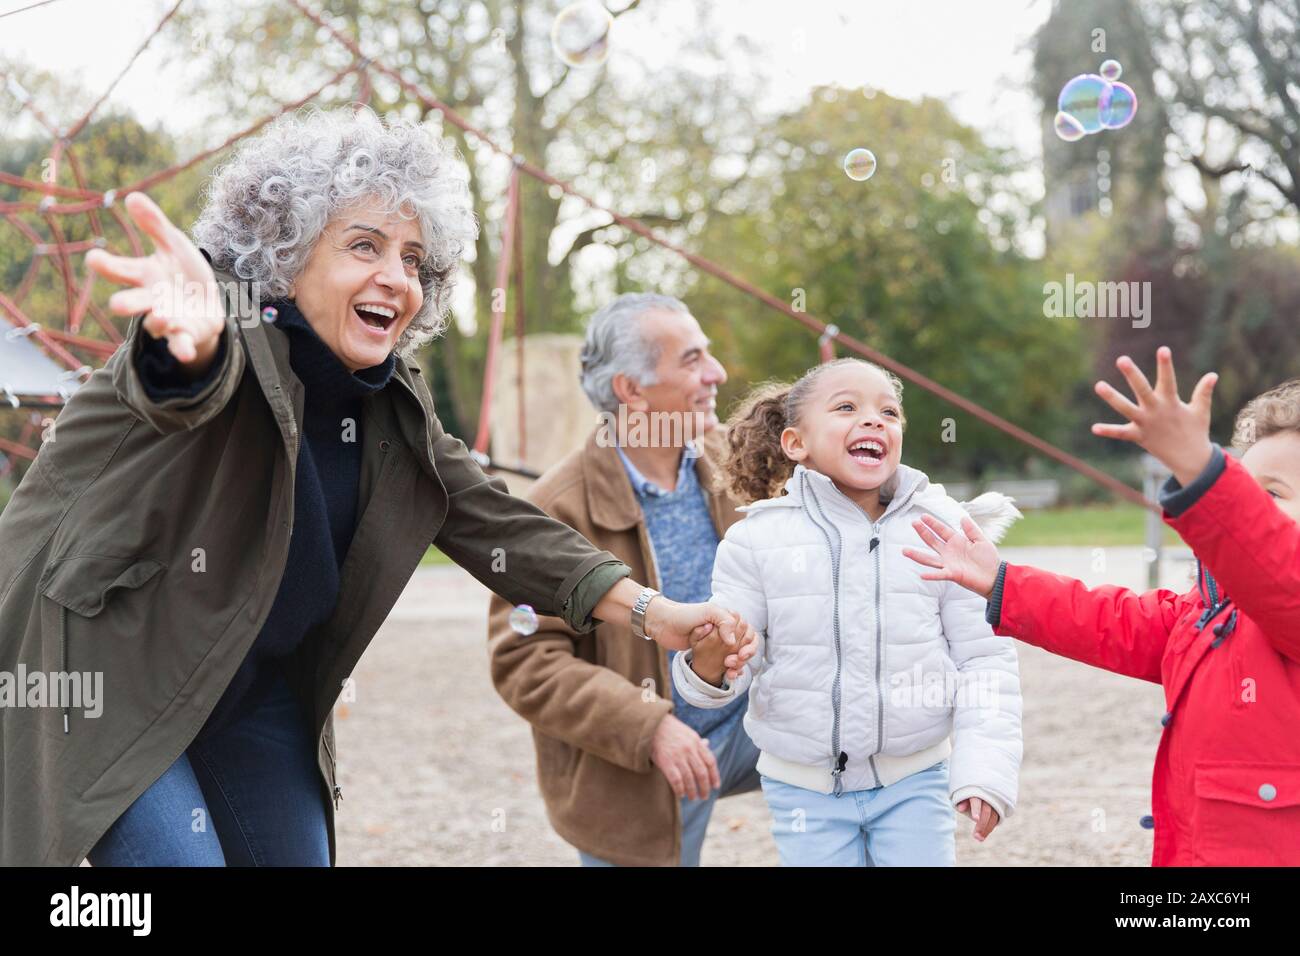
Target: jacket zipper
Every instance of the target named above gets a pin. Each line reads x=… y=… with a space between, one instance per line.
x=876 y=549
x=63 y=658
x=841 y=758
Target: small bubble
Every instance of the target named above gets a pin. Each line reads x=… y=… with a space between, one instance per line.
x=523 y=620
x=860 y=164
x=1068 y=128
x=269 y=314
x=580 y=34
x=1111 y=70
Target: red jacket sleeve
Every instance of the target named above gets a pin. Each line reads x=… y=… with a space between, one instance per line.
x=1252 y=548
x=1109 y=627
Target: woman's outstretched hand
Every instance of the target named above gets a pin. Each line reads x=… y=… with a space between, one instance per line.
x=967 y=557
x=1174 y=431
x=175 y=286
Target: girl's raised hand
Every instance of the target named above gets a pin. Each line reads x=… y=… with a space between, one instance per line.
x=175 y=286
x=967 y=558
x=1174 y=431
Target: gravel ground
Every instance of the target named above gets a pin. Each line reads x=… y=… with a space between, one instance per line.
x=435 y=769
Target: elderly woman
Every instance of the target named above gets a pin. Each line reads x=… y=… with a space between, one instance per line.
x=229 y=509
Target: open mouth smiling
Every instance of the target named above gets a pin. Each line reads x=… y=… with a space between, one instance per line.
x=375 y=317
x=868 y=451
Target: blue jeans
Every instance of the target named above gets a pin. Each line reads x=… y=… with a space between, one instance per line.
x=736 y=756
x=250 y=796
x=908 y=823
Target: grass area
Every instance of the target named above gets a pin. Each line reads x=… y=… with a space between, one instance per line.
x=434 y=557
x=1098 y=526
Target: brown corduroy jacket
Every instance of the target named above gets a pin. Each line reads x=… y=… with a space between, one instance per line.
x=595 y=700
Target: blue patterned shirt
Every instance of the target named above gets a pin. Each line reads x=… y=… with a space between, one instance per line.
x=684 y=542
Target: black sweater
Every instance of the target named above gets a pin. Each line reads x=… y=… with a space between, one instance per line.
x=325 y=493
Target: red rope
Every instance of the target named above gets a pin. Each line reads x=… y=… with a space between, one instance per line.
x=80 y=124
x=519 y=325
x=498 y=310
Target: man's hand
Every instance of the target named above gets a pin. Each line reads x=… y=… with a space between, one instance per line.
x=164 y=286
x=968 y=559
x=985 y=817
x=685 y=760
x=1175 y=432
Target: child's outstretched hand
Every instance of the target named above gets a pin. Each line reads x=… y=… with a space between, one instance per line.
x=712 y=659
x=1177 y=433
x=969 y=559
x=985 y=817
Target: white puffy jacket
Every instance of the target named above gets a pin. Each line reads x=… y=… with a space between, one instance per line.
x=864 y=670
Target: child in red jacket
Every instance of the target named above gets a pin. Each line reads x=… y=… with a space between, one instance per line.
x=1226 y=785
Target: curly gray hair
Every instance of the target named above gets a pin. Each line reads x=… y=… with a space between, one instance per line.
x=268 y=205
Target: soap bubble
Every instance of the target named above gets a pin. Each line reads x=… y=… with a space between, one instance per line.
x=1069 y=128
x=269 y=314
x=580 y=34
x=1111 y=70
x=1120 y=108
x=523 y=620
x=1084 y=98
x=860 y=164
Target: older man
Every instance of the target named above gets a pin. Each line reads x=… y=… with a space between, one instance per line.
x=630 y=777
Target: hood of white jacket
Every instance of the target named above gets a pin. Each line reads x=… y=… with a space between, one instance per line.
x=906 y=488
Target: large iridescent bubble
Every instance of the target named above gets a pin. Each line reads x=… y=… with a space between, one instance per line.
x=1120 y=108
x=1084 y=98
x=580 y=34
x=1092 y=102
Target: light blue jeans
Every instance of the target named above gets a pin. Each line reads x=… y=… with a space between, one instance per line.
x=736 y=756
x=908 y=823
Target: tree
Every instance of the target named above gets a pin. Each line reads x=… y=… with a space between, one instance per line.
x=914 y=261
x=490 y=60
x=1235 y=82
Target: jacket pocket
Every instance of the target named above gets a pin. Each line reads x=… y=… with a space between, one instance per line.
x=84 y=583
x=1247 y=814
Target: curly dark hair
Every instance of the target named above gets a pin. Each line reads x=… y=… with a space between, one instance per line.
x=755 y=466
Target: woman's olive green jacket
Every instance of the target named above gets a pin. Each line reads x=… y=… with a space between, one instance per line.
x=147 y=541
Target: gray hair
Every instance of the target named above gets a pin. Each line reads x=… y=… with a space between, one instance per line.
x=616 y=344
x=269 y=204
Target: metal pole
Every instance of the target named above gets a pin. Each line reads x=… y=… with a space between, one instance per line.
x=1154 y=474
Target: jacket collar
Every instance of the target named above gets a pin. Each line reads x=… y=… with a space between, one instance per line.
x=268 y=353
x=611 y=502
x=905 y=484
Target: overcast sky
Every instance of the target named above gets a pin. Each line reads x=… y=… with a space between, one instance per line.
x=972 y=55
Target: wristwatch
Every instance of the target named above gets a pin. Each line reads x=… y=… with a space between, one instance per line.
x=638 y=611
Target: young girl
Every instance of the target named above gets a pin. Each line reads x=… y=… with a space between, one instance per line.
x=862 y=669
x=1226 y=786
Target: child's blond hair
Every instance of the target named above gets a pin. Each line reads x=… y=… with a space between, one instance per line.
x=1274 y=412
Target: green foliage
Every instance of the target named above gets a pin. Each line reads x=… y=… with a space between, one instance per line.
x=913 y=262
